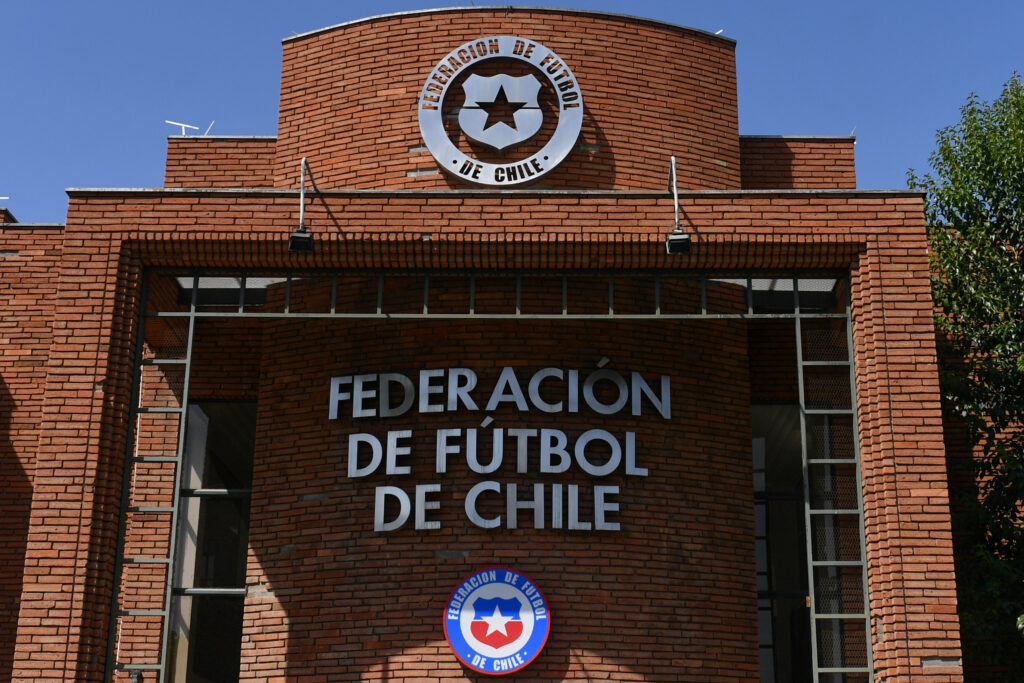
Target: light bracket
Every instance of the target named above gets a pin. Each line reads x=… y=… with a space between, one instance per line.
x=678 y=242
x=301 y=241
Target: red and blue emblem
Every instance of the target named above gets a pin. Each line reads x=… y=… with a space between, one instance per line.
x=497 y=621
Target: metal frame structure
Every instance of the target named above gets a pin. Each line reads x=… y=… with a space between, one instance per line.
x=206 y=281
x=821 y=663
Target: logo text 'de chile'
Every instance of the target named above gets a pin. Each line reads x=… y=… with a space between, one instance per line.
x=501 y=111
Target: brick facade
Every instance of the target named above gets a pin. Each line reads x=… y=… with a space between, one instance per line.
x=316 y=570
x=28 y=283
x=219 y=162
x=794 y=163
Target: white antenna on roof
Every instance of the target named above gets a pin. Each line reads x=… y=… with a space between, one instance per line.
x=719 y=31
x=4 y=197
x=183 y=126
x=209 y=127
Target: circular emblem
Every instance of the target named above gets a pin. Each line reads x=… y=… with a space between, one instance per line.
x=500 y=108
x=497 y=621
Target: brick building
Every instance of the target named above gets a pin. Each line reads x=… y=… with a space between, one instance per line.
x=238 y=449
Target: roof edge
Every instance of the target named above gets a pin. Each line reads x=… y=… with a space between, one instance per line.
x=222 y=137
x=525 y=8
x=803 y=137
x=30 y=226
x=369 y=192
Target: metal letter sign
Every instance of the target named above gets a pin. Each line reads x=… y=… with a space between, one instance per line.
x=497 y=621
x=501 y=111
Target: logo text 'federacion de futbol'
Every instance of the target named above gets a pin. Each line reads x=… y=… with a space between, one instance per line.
x=502 y=110
x=497 y=621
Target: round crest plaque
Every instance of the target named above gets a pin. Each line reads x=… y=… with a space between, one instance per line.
x=497 y=621
x=501 y=111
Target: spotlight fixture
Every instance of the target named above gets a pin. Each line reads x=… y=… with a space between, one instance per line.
x=300 y=241
x=678 y=242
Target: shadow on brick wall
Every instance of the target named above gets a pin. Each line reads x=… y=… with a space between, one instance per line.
x=15 y=507
x=766 y=165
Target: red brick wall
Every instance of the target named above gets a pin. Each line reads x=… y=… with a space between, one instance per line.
x=778 y=163
x=220 y=162
x=905 y=491
x=28 y=258
x=326 y=589
x=879 y=237
x=349 y=99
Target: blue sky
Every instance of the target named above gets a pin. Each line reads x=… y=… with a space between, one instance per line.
x=87 y=85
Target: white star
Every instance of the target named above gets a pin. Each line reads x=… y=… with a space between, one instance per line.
x=496 y=622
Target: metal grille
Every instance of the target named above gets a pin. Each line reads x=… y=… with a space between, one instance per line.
x=839 y=590
x=834 y=508
x=579 y=294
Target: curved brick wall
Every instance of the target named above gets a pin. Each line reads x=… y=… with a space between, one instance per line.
x=349 y=99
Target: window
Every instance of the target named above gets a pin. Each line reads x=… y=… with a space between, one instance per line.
x=783 y=613
x=213 y=520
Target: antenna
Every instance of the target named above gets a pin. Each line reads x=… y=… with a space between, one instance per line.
x=719 y=31
x=209 y=127
x=183 y=126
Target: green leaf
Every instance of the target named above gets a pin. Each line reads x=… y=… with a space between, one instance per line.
x=974 y=208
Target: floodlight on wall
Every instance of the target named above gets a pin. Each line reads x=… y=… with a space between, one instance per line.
x=678 y=242
x=301 y=241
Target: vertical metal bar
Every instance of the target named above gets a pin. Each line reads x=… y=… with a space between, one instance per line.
x=426 y=294
x=750 y=296
x=302 y=195
x=472 y=294
x=703 y=296
x=380 y=293
x=809 y=531
x=519 y=293
x=611 y=295
x=113 y=634
x=241 y=294
x=565 y=295
x=176 y=494
x=657 y=294
x=334 y=294
x=287 y=293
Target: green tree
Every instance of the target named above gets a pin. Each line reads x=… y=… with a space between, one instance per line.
x=975 y=213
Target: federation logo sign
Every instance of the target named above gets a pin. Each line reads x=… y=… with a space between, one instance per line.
x=501 y=111
x=497 y=621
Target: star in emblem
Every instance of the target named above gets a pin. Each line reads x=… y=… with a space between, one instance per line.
x=501 y=110
x=496 y=622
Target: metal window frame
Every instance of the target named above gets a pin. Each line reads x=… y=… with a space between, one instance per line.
x=195 y=312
